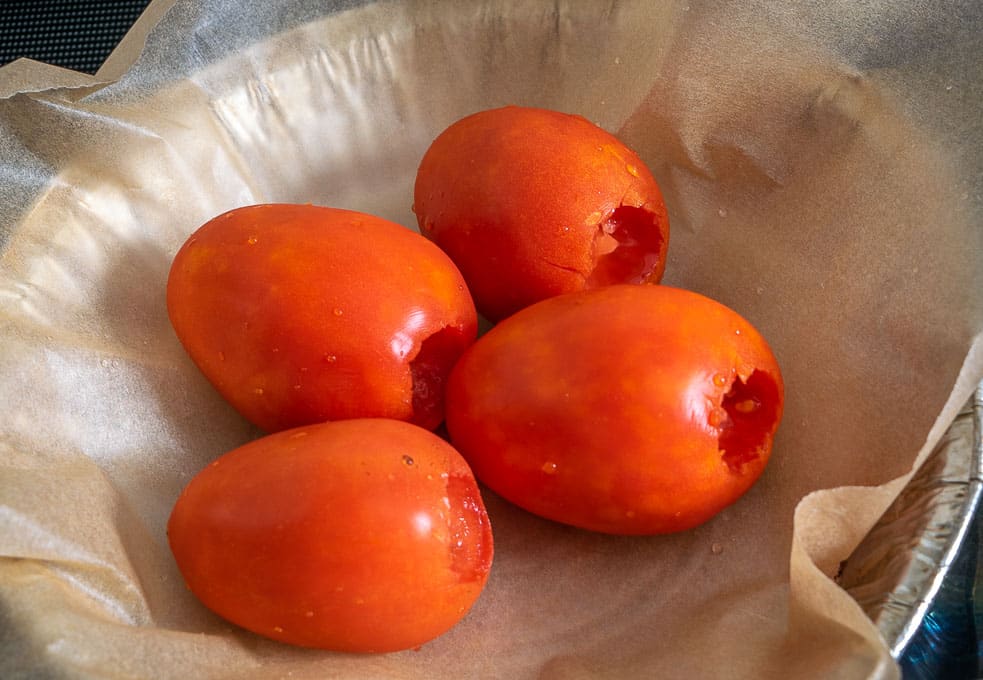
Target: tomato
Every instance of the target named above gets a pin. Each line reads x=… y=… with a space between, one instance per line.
x=628 y=409
x=531 y=203
x=365 y=535
x=299 y=314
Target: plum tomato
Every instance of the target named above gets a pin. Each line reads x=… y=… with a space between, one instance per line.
x=299 y=314
x=531 y=203
x=364 y=535
x=627 y=409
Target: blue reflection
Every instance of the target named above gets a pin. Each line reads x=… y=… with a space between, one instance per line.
x=948 y=646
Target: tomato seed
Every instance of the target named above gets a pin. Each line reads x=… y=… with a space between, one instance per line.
x=747 y=406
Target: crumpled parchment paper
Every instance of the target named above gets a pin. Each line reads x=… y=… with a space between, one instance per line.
x=823 y=168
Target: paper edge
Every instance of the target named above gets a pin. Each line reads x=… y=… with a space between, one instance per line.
x=132 y=45
x=27 y=76
x=812 y=585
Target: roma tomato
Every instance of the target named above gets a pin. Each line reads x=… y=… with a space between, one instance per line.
x=531 y=203
x=299 y=314
x=366 y=535
x=628 y=410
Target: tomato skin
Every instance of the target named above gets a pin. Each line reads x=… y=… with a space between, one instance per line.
x=299 y=314
x=608 y=409
x=366 y=535
x=529 y=201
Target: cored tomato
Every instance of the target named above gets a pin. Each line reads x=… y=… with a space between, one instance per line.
x=531 y=203
x=628 y=409
x=300 y=314
x=365 y=535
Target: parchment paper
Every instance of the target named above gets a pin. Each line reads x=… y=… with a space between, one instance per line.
x=823 y=166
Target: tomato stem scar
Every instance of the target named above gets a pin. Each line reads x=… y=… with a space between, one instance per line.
x=627 y=247
x=750 y=414
x=429 y=370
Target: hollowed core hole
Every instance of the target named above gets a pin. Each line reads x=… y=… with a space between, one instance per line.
x=471 y=538
x=430 y=369
x=751 y=416
x=627 y=247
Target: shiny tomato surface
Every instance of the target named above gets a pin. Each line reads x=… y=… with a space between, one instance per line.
x=365 y=535
x=531 y=203
x=299 y=314
x=633 y=409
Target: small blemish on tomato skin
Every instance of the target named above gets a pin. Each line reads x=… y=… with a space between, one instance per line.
x=594 y=218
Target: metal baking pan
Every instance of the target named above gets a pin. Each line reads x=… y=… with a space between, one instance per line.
x=896 y=573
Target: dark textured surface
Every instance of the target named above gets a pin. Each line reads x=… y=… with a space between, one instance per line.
x=75 y=34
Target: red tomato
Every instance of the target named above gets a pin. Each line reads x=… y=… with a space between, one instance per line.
x=628 y=410
x=365 y=535
x=532 y=203
x=300 y=314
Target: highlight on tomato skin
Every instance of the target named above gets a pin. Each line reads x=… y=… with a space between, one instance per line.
x=627 y=409
x=531 y=203
x=299 y=314
x=364 y=535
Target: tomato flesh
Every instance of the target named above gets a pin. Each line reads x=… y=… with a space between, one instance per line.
x=751 y=408
x=628 y=248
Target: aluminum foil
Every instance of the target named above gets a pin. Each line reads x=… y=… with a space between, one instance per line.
x=897 y=571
